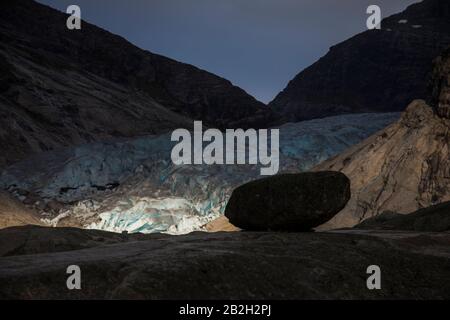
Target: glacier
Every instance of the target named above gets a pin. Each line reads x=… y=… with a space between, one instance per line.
x=132 y=185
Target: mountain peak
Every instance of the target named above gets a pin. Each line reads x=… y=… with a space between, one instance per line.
x=63 y=87
x=375 y=71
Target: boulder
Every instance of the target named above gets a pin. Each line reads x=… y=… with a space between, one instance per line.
x=288 y=202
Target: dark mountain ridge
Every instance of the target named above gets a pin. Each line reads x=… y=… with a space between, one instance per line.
x=375 y=71
x=62 y=87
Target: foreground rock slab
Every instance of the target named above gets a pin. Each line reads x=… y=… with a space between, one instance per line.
x=239 y=265
x=288 y=202
x=28 y=240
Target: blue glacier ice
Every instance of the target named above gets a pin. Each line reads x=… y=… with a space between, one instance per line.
x=132 y=185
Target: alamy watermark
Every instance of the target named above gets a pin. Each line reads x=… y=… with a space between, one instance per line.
x=74 y=20
x=374 y=20
x=236 y=147
x=374 y=280
x=74 y=280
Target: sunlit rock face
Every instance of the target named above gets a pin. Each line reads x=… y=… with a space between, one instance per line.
x=405 y=167
x=132 y=185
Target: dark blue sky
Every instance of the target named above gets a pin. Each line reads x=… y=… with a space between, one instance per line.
x=258 y=45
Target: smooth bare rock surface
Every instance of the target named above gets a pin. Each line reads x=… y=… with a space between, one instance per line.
x=239 y=265
x=15 y=213
x=404 y=167
x=432 y=219
x=221 y=224
x=26 y=240
x=400 y=169
x=289 y=202
x=374 y=71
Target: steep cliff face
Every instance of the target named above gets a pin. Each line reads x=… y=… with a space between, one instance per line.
x=375 y=71
x=404 y=167
x=440 y=85
x=60 y=87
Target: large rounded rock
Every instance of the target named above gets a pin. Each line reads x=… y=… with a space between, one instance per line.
x=289 y=202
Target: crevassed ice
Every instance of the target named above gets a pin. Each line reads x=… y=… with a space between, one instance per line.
x=132 y=185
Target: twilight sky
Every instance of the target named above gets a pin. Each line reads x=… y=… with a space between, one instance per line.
x=258 y=45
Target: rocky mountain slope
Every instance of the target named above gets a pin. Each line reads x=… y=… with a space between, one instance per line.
x=238 y=265
x=431 y=219
x=15 y=213
x=60 y=87
x=404 y=167
x=133 y=185
x=375 y=71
